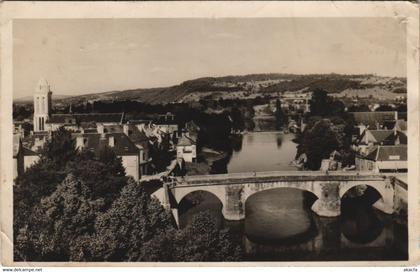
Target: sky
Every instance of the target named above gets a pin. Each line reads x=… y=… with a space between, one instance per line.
x=79 y=56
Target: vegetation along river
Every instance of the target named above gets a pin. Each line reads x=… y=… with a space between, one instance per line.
x=279 y=224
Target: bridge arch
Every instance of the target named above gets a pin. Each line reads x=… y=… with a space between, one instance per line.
x=181 y=192
x=249 y=198
x=383 y=187
x=378 y=186
x=252 y=189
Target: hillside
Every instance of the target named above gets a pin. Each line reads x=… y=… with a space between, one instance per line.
x=251 y=86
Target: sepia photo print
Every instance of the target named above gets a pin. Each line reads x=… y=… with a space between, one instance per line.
x=211 y=139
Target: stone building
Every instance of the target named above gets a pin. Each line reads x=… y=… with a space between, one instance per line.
x=382 y=159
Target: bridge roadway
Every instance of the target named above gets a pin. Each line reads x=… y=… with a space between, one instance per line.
x=234 y=189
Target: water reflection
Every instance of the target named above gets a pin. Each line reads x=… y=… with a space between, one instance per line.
x=279 y=140
x=282 y=220
x=258 y=151
x=279 y=225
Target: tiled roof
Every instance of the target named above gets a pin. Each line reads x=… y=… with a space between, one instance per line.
x=86 y=117
x=135 y=135
x=370 y=118
x=122 y=145
x=382 y=135
x=392 y=153
x=388 y=153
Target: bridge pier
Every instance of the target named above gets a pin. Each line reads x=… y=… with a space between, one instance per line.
x=233 y=208
x=386 y=202
x=328 y=203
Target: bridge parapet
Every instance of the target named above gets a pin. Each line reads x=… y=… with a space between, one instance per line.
x=262 y=177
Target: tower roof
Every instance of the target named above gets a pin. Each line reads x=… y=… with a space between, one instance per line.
x=42 y=86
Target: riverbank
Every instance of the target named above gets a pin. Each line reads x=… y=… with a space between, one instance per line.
x=206 y=158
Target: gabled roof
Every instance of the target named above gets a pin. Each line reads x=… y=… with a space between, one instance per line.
x=185 y=141
x=370 y=118
x=85 y=118
x=385 y=137
x=381 y=135
x=388 y=153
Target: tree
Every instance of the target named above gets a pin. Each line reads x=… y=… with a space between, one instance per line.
x=320 y=102
x=203 y=241
x=323 y=105
x=36 y=182
x=358 y=108
x=318 y=143
x=60 y=148
x=104 y=180
x=135 y=228
x=112 y=162
x=280 y=116
x=59 y=223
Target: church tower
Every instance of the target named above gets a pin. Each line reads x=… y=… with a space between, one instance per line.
x=42 y=105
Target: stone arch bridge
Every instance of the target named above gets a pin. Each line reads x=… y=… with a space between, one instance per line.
x=234 y=189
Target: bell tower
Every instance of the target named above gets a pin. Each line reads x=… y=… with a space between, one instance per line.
x=42 y=105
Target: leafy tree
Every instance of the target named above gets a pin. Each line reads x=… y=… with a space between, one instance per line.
x=203 y=241
x=323 y=105
x=30 y=187
x=320 y=103
x=358 y=108
x=60 y=148
x=104 y=180
x=135 y=228
x=112 y=162
x=318 y=143
x=238 y=122
x=59 y=223
x=280 y=116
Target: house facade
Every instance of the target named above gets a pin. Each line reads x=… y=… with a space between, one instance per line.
x=186 y=149
x=382 y=159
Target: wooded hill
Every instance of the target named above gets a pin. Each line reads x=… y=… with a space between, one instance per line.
x=248 y=86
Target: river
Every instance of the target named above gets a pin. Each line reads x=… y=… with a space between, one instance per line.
x=279 y=225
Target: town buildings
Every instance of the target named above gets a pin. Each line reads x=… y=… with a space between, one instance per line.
x=130 y=140
x=381 y=145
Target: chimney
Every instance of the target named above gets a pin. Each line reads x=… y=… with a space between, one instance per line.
x=125 y=129
x=111 y=141
x=80 y=142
